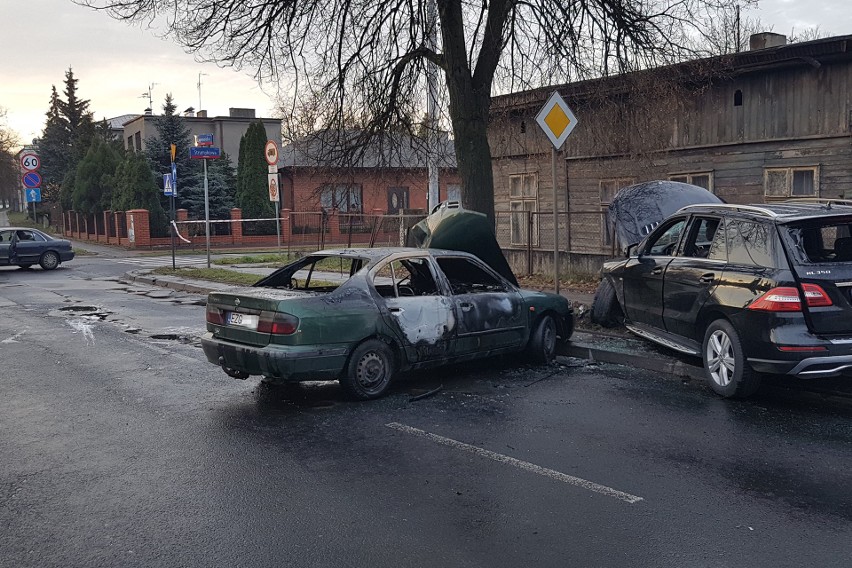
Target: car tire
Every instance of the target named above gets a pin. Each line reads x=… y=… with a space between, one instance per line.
x=541 y=348
x=606 y=312
x=725 y=366
x=49 y=260
x=369 y=372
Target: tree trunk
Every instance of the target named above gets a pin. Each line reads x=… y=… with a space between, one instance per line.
x=473 y=154
x=470 y=101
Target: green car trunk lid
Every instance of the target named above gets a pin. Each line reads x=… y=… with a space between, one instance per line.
x=248 y=302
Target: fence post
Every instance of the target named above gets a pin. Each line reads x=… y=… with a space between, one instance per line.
x=529 y=242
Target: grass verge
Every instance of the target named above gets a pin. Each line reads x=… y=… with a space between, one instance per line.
x=220 y=275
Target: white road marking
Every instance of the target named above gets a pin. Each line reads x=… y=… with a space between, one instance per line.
x=550 y=473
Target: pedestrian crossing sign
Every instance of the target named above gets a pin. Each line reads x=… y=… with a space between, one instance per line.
x=169 y=185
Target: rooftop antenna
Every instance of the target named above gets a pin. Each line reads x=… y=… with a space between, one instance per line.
x=148 y=95
x=199 y=89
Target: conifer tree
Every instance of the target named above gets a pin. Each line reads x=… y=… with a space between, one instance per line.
x=134 y=188
x=252 y=188
x=93 y=184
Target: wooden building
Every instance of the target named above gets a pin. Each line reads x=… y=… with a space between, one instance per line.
x=770 y=123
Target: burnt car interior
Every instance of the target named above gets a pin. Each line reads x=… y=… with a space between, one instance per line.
x=314 y=273
x=407 y=277
x=465 y=277
x=823 y=243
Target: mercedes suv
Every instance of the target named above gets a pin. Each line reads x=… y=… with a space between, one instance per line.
x=753 y=290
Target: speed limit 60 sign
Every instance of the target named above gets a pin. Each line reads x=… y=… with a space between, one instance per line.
x=30 y=162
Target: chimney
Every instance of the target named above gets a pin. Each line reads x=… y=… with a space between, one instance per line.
x=148 y=111
x=201 y=114
x=765 y=40
x=190 y=112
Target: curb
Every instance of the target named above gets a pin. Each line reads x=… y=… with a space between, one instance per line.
x=583 y=350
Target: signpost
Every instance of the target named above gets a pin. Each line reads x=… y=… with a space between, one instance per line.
x=34 y=196
x=270 y=153
x=30 y=162
x=31 y=179
x=557 y=121
x=204 y=150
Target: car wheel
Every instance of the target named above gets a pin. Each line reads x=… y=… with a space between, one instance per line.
x=725 y=365
x=606 y=311
x=541 y=348
x=49 y=260
x=369 y=372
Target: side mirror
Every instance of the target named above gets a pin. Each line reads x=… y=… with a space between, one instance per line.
x=632 y=250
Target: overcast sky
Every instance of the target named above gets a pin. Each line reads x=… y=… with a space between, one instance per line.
x=115 y=63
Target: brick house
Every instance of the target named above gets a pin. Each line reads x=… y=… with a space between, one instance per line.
x=770 y=123
x=387 y=177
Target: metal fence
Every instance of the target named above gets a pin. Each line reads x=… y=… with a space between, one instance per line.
x=305 y=230
x=527 y=238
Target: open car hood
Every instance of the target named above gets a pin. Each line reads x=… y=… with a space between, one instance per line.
x=637 y=209
x=450 y=227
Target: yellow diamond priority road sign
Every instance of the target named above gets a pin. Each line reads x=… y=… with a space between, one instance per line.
x=556 y=119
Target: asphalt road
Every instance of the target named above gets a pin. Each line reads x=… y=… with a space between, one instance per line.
x=121 y=446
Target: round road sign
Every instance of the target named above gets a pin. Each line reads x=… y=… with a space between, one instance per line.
x=270 y=152
x=30 y=162
x=31 y=179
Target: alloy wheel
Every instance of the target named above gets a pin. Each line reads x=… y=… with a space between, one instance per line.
x=720 y=358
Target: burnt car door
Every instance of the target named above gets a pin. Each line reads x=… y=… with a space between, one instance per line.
x=691 y=276
x=414 y=305
x=488 y=309
x=643 y=275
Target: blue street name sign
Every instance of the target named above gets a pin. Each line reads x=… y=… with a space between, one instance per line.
x=168 y=185
x=34 y=195
x=210 y=153
x=32 y=179
x=203 y=139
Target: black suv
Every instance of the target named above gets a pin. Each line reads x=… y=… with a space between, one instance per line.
x=751 y=289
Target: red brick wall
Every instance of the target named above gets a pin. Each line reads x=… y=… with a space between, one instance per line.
x=302 y=186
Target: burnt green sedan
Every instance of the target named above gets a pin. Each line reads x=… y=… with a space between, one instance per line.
x=362 y=315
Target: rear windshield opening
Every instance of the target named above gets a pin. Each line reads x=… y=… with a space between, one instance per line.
x=828 y=242
x=315 y=273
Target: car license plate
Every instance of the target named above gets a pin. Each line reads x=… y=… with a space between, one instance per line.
x=242 y=320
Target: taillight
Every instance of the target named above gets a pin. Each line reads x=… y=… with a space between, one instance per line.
x=214 y=315
x=277 y=323
x=786 y=299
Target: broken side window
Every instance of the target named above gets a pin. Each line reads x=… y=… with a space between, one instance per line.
x=314 y=273
x=467 y=277
x=406 y=277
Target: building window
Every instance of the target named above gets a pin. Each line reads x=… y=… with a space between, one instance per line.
x=397 y=200
x=608 y=189
x=523 y=203
x=738 y=98
x=701 y=179
x=130 y=144
x=780 y=183
x=345 y=198
x=137 y=138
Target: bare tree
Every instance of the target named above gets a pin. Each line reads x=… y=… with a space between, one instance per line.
x=371 y=56
x=9 y=170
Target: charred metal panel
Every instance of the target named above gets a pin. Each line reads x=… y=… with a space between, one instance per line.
x=426 y=324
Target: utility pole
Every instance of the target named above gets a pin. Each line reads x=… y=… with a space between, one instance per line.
x=432 y=107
